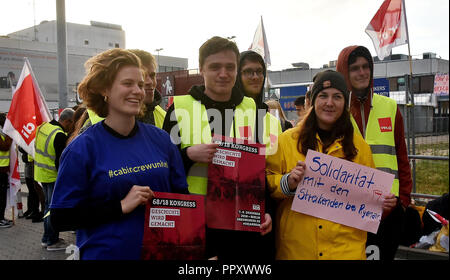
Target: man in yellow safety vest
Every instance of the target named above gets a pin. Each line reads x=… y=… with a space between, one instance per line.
x=51 y=138
x=5 y=145
x=378 y=119
x=220 y=108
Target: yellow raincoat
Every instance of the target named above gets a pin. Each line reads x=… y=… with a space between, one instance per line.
x=303 y=237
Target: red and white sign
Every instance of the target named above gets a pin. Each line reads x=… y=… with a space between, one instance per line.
x=27 y=111
x=385 y=124
x=388 y=29
x=441 y=84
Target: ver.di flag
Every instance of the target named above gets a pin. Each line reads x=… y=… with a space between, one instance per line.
x=259 y=43
x=27 y=111
x=388 y=29
x=14 y=178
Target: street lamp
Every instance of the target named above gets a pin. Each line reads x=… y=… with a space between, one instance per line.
x=157 y=51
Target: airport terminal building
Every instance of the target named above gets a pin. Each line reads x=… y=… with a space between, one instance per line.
x=39 y=44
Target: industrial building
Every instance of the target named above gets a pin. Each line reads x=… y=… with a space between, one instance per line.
x=389 y=80
x=39 y=44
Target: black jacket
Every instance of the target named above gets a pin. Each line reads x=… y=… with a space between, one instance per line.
x=226 y=244
x=259 y=100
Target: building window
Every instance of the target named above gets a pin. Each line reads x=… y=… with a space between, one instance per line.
x=116 y=45
x=401 y=85
x=427 y=84
x=393 y=84
x=110 y=44
x=416 y=85
x=86 y=42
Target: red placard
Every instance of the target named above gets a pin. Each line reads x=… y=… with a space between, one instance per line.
x=236 y=181
x=174 y=227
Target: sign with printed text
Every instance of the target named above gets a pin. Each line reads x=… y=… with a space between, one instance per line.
x=174 y=227
x=342 y=191
x=288 y=104
x=235 y=197
x=441 y=84
x=381 y=86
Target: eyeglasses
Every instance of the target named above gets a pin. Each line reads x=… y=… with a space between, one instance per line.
x=250 y=72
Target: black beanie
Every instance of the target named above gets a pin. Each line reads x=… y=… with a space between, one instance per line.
x=329 y=79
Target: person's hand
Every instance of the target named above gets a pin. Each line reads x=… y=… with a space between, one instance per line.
x=138 y=195
x=389 y=203
x=296 y=175
x=202 y=153
x=266 y=227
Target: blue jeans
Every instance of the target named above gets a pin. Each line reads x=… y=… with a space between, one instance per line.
x=50 y=236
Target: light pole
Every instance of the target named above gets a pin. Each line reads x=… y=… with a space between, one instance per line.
x=157 y=51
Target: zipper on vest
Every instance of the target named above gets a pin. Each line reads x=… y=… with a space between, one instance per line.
x=363 y=119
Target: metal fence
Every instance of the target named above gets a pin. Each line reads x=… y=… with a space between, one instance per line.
x=427 y=138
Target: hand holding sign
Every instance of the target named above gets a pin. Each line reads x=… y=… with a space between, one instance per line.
x=389 y=203
x=202 y=153
x=296 y=175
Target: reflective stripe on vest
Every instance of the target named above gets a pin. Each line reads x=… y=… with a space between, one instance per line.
x=380 y=136
x=4 y=155
x=194 y=129
x=44 y=161
x=159 y=114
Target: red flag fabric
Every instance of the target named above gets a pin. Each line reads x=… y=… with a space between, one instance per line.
x=14 y=177
x=388 y=29
x=259 y=43
x=27 y=111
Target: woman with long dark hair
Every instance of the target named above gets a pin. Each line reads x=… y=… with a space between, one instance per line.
x=327 y=128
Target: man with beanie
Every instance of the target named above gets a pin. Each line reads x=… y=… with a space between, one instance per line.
x=379 y=121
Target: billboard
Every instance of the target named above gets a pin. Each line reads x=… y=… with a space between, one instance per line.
x=381 y=86
x=288 y=96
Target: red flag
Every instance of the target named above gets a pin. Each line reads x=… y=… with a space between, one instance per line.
x=388 y=27
x=27 y=111
x=14 y=178
x=259 y=43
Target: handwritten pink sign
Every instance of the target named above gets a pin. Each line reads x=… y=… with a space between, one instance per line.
x=342 y=191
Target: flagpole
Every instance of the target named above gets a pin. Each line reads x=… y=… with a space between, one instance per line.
x=411 y=106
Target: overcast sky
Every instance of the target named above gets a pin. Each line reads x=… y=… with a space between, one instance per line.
x=297 y=30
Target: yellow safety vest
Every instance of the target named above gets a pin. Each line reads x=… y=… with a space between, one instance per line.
x=194 y=129
x=159 y=115
x=380 y=136
x=93 y=119
x=272 y=130
x=4 y=155
x=45 y=156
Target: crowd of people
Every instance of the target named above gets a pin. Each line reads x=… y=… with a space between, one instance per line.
x=121 y=124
